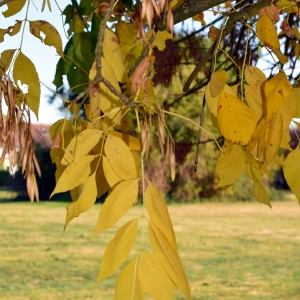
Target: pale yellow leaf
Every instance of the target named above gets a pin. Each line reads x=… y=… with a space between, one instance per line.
x=274 y=137
x=288 y=109
x=118 y=249
x=112 y=53
x=111 y=177
x=291 y=171
x=120 y=157
x=286 y=138
x=230 y=165
x=85 y=201
x=81 y=144
x=235 y=119
x=137 y=161
x=217 y=82
x=297 y=96
x=267 y=34
x=121 y=198
x=154 y=278
x=276 y=90
x=169 y=259
x=74 y=174
x=252 y=172
x=158 y=212
x=128 y=286
x=254 y=101
x=255 y=77
x=132 y=142
x=13 y=7
x=24 y=70
x=260 y=193
x=52 y=37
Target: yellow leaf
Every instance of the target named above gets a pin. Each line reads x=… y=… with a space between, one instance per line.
x=252 y=172
x=267 y=34
x=212 y=102
x=112 y=53
x=52 y=37
x=132 y=142
x=85 y=201
x=297 y=97
x=274 y=137
x=158 y=212
x=287 y=6
x=74 y=174
x=128 y=286
x=255 y=77
x=260 y=193
x=58 y=127
x=13 y=7
x=121 y=198
x=118 y=249
x=102 y=184
x=235 y=119
x=217 y=82
x=254 y=101
x=288 y=109
x=286 y=138
x=111 y=177
x=11 y=30
x=260 y=130
x=169 y=259
x=120 y=157
x=160 y=39
x=6 y=58
x=291 y=171
x=81 y=144
x=230 y=166
x=154 y=278
x=24 y=70
x=276 y=90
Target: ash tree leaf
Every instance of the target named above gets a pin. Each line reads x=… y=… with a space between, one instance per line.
x=6 y=59
x=11 y=30
x=169 y=259
x=235 y=119
x=13 y=7
x=102 y=184
x=217 y=82
x=288 y=109
x=120 y=157
x=121 y=198
x=128 y=286
x=24 y=70
x=254 y=101
x=291 y=171
x=74 y=174
x=158 y=212
x=230 y=165
x=255 y=77
x=297 y=96
x=260 y=193
x=52 y=37
x=110 y=175
x=118 y=249
x=131 y=141
x=85 y=201
x=154 y=278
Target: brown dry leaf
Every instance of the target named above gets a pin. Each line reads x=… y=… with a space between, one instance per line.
x=170 y=20
x=172 y=161
x=139 y=79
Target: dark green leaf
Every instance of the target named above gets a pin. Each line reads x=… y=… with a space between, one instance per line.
x=85 y=7
x=96 y=20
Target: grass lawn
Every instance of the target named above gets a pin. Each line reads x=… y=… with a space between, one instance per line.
x=229 y=251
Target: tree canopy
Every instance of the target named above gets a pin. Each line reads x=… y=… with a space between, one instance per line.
x=240 y=68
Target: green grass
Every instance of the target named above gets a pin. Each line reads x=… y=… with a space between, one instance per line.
x=229 y=251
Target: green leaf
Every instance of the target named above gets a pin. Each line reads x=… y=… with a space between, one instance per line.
x=24 y=70
x=128 y=286
x=154 y=278
x=85 y=7
x=78 y=49
x=52 y=37
x=96 y=21
x=121 y=198
x=13 y=7
x=118 y=249
x=169 y=259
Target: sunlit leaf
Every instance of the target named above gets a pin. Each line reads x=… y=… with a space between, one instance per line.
x=110 y=175
x=160 y=39
x=288 y=109
x=121 y=198
x=132 y=142
x=217 y=82
x=254 y=101
x=235 y=119
x=260 y=193
x=297 y=97
x=118 y=249
x=255 y=77
x=154 y=278
x=13 y=7
x=102 y=184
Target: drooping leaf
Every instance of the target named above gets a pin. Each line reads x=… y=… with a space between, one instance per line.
x=160 y=39
x=74 y=174
x=291 y=171
x=13 y=7
x=297 y=97
x=85 y=201
x=52 y=37
x=154 y=278
x=276 y=90
x=81 y=144
x=235 y=119
x=230 y=164
x=6 y=59
x=120 y=157
x=288 y=109
x=266 y=32
x=111 y=177
x=158 y=212
x=254 y=101
x=260 y=193
x=112 y=53
x=128 y=286
x=24 y=70
x=217 y=82
x=132 y=142
x=121 y=198
x=169 y=259
x=102 y=184
x=118 y=249
x=286 y=138
x=11 y=30
x=274 y=137
x=255 y=77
